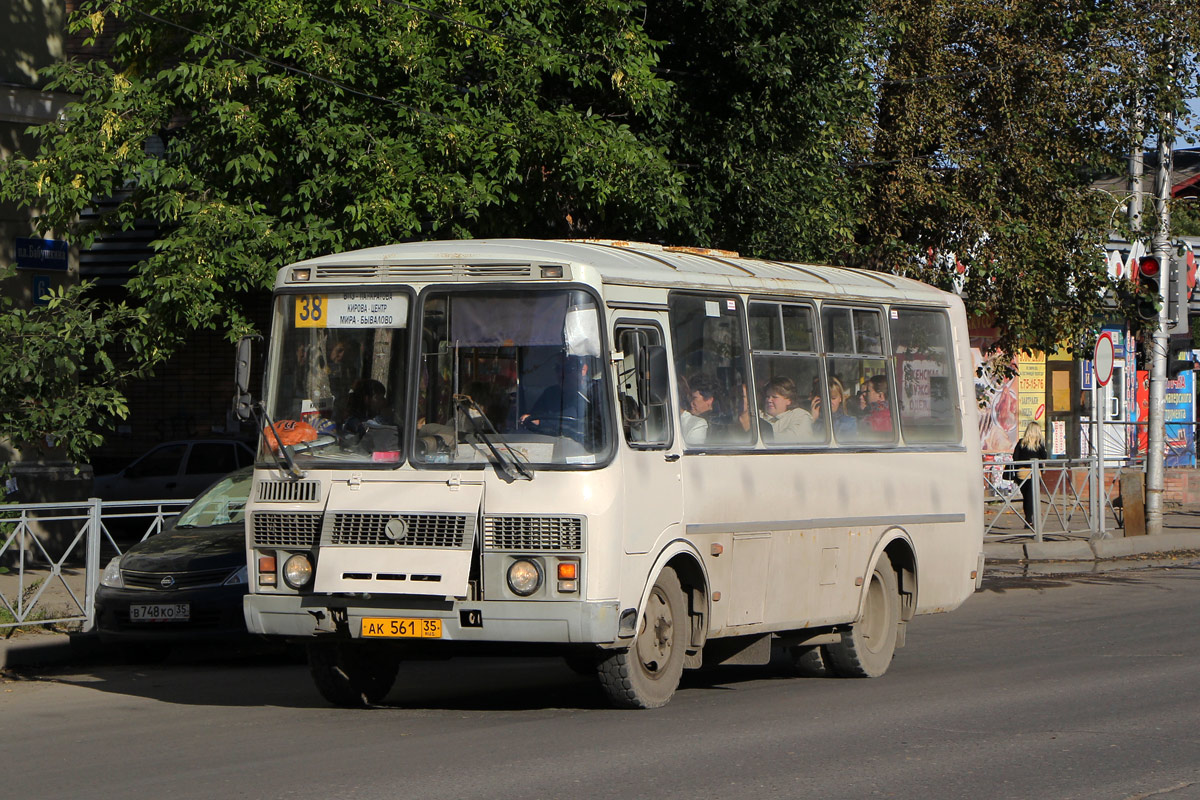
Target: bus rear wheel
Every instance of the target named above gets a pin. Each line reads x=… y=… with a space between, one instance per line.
x=351 y=674
x=647 y=674
x=866 y=650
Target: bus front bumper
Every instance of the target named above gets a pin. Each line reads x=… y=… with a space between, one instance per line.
x=551 y=622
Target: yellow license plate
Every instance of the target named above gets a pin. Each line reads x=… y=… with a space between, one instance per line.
x=390 y=627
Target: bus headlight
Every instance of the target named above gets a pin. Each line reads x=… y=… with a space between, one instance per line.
x=524 y=577
x=297 y=571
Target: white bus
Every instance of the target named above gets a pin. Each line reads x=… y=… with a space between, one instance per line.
x=641 y=458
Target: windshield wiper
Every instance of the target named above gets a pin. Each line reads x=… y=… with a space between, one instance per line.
x=290 y=467
x=506 y=459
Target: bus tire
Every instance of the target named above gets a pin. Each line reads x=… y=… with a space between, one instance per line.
x=351 y=675
x=866 y=650
x=647 y=674
x=807 y=662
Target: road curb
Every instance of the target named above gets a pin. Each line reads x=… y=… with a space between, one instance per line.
x=48 y=649
x=1083 y=550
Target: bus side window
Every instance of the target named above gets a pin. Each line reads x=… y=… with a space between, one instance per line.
x=787 y=374
x=711 y=365
x=926 y=390
x=641 y=378
x=859 y=371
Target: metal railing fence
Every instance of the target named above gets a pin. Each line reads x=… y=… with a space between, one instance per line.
x=52 y=554
x=1067 y=498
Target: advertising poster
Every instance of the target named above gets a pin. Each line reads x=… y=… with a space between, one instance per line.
x=1180 y=426
x=1180 y=422
x=923 y=385
x=997 y=401
x=1031 y=388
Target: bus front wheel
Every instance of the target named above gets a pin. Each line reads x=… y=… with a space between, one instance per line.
x=351 y=674
x=866 y=650
x=647 y=674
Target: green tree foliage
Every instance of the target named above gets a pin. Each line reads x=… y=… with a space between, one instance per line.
x=261 y=132
x=290 y=129
x=62 y=366
x=767 y=93
x=992 y=122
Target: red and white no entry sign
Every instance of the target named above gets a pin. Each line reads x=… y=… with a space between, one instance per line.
x=1102 y=360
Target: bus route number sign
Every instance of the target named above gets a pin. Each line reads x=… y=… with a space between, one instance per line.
x=364 y=310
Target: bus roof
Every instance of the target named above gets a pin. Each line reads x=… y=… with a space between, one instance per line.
x=615 y=261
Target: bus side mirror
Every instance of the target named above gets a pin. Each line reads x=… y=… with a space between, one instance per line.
x=657 y=381
x=243 y=403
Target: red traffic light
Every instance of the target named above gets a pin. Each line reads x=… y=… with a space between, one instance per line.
x=1148 y=267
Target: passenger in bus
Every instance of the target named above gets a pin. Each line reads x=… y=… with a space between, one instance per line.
x=343 y=368
x=845 y=427
x=698 y=400
x=565 y=408
x=746 y=416
x=877 y=413
x=368 y=406
x=790 y=423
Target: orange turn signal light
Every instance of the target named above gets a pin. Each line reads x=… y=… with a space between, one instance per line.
x=567 y=570
x=266 y=564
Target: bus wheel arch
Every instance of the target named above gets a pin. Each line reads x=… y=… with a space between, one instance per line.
x=865 y=649
x=669 y=634
x=900 y=552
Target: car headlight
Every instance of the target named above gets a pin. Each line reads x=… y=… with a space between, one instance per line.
x=524 y=577
x=112 y=575
x=237 y=578
x=297 y=570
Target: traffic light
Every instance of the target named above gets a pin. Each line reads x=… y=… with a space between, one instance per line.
x=1182 y=281
x=1179 y=355
x=1148 y=275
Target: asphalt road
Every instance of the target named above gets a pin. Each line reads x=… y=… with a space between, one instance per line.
x=1081 y=687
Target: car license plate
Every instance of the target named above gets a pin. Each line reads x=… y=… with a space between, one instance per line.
x=160 y=612
x=389 y=627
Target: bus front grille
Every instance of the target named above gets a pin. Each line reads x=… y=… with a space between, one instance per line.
x=410 y=530
x=289 y=491
x=277 y=529
x=533 y=534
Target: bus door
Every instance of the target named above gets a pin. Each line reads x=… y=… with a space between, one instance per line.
x=653 y=495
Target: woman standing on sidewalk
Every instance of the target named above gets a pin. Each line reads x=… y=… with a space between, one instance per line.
x=1032 y=445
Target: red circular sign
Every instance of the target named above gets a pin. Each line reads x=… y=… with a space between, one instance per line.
x=1102 y=360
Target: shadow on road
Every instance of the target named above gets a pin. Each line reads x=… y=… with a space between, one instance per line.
x=250 y=678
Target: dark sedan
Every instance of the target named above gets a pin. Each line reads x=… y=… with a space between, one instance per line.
x=187 y=582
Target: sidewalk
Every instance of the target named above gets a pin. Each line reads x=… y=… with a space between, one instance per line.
x=1181 y=534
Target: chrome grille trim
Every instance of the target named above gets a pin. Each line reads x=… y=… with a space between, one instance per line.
x=135 y=579
x=289 y=491
x=533 y=533
x=421 y=530
x=286 y=529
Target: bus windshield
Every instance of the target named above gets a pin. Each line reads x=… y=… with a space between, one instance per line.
x=338 y=377
x=511 y=376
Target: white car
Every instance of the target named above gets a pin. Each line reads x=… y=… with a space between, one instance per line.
x=180 y=469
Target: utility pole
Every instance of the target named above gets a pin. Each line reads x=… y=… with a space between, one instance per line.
x=1156 y=441
x=1136 y=170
